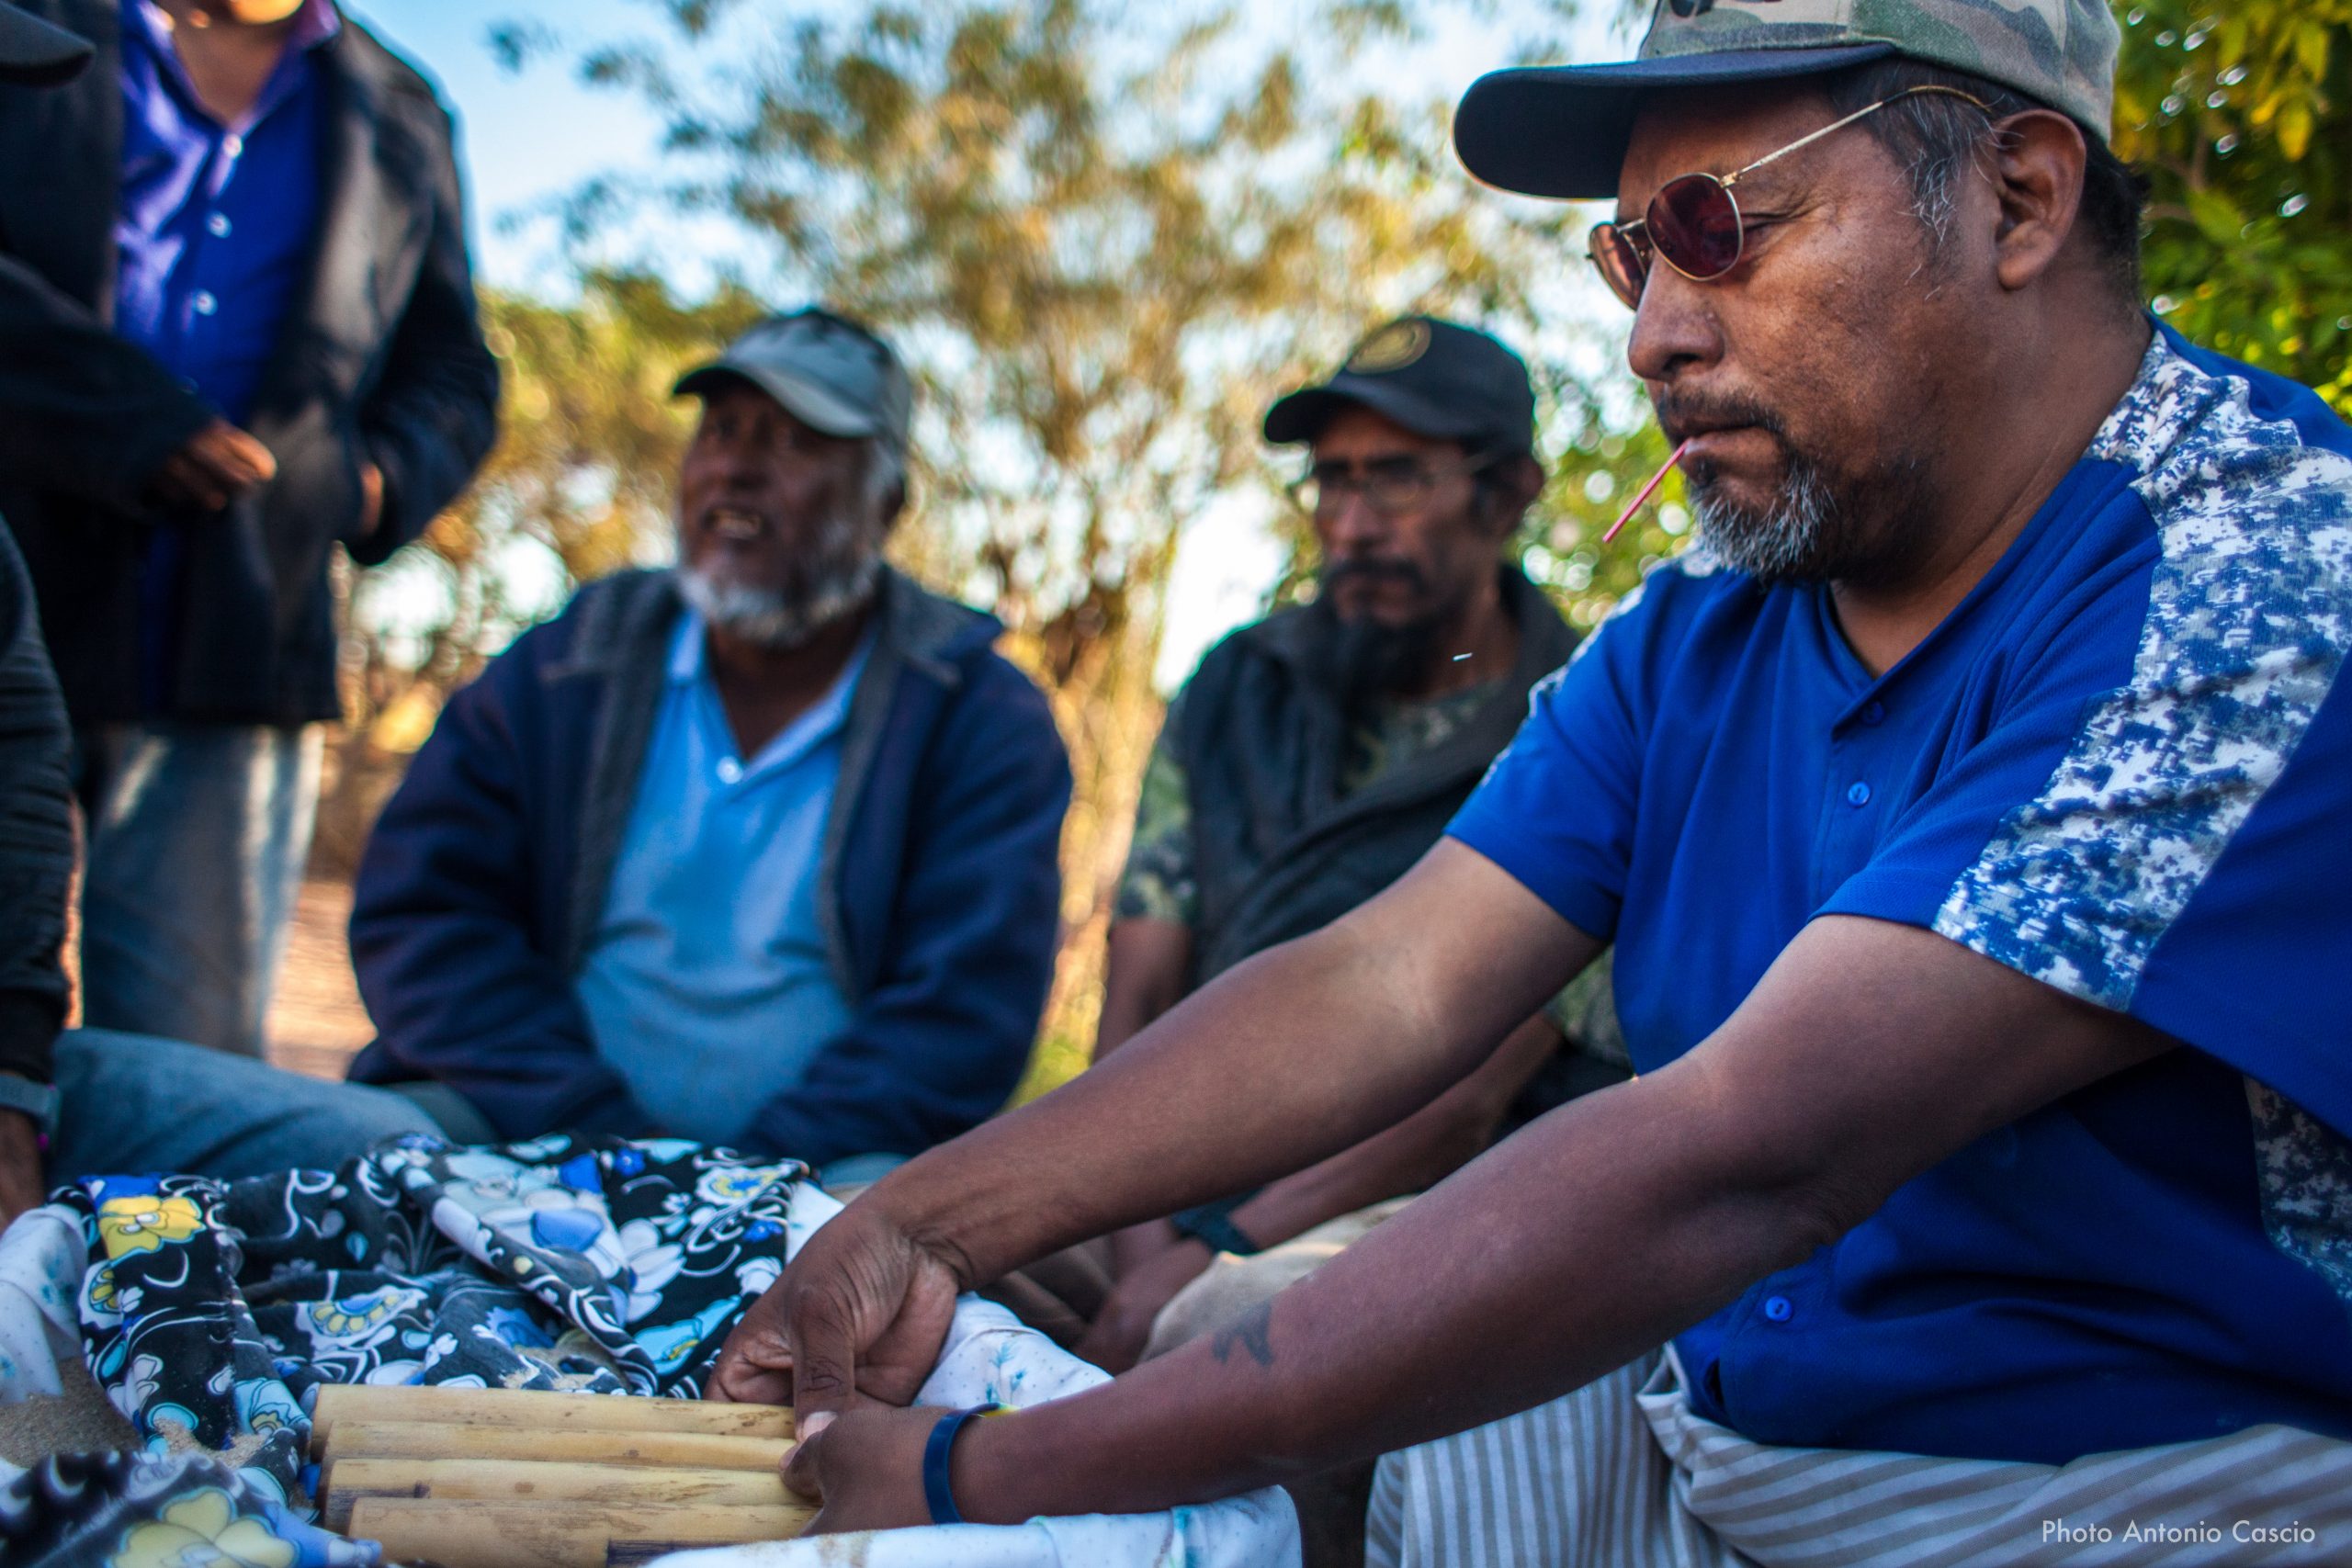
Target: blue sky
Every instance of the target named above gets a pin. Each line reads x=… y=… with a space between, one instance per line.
x=528 y=137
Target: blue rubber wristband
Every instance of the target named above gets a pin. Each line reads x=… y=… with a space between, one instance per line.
x=937 y=1450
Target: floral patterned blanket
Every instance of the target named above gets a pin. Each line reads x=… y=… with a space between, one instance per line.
x=210 y=1312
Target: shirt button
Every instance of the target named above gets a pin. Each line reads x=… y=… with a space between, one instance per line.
x=729 y=771
x=203 y=302
x=218 y=225
x=1858 y=793
x=234 y=146
x=1778 y=1309
x=1874 y=713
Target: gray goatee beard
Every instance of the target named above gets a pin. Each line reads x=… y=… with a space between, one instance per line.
x=1786 y=543
x=838 y=583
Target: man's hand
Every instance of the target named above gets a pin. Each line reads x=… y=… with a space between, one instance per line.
x=213 y=467
x=857 y=1319
x=1117 y=1339
x=20 y=1183
x=866 y=1471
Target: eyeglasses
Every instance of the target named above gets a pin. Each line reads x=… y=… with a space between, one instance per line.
x=1693 y=221
x=1391 y=486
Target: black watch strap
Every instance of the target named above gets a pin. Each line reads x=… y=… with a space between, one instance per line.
x=37 y=1100
x=1213 y=1225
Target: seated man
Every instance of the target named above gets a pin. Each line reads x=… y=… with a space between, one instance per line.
x=1308 y=763
x=759 y=852
x=1961 y=811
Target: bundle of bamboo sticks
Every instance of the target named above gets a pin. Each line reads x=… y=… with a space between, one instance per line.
x=500 y=1478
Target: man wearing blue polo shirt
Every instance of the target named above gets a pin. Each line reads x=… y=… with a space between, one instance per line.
x=1967 y=811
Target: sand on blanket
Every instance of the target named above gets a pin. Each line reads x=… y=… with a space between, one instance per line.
x=80 y=1421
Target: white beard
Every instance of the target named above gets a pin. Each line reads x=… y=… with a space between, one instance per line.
x=837 y=582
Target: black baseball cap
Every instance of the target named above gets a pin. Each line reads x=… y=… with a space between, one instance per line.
x=1436 y=379
x=829 y=372
x=35 y=53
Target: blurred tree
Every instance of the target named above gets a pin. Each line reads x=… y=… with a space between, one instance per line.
x=1105 y=234
x=2240 y=116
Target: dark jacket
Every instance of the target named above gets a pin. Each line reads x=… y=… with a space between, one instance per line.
x=36 y=832
x=381 y=359
x=1262 y=737
x=488 y=872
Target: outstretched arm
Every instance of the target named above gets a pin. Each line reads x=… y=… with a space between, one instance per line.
x=1283 y=1061
x=1869 y=1053
x=1422 y=1150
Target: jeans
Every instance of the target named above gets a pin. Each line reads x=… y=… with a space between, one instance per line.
x=198 y=837
x=133 y=1105
x=136 y=1106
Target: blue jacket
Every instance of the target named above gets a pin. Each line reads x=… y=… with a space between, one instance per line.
x=487 y=874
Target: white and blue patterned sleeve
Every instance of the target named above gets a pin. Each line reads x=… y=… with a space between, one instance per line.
x=2184 y=853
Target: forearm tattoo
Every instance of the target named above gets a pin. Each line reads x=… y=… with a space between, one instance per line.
x=1252 y=1331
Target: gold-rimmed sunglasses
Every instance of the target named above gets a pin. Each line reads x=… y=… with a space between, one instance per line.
x=1693 y=221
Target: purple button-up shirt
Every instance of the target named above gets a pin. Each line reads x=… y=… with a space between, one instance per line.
x=212 y=234
x=216 y=220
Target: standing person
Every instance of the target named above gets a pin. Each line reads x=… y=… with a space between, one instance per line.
x=244 y=334
x=99 y=1100
x=1961 y=812
x=1308 y=762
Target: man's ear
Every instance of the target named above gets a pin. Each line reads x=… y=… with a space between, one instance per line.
x=2036 y=168
x=1511 y=488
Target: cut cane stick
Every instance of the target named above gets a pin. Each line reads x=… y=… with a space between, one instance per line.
x=669 y=1451
x=531 y=1408
x=557 y=1535
x=350 y=1481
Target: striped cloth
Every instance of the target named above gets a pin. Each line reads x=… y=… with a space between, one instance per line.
x=1622 y=1473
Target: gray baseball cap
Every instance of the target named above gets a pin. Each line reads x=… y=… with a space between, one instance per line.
x=1561 y=130
x=35 y=53
x=829 y=372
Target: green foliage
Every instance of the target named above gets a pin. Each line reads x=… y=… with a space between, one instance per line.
x=2241 y=115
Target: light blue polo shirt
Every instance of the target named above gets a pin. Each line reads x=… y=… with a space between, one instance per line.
x=2121 y=767
x=706 y=986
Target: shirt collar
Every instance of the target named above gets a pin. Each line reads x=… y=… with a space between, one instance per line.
x=317 y=22
x=314 y=24
x=686 y=649
x=689 y=664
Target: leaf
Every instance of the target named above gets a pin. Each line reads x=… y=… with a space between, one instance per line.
x=2216 y=215
x=2295 y=122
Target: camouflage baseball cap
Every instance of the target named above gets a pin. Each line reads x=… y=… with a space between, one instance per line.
x=1560 y=131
